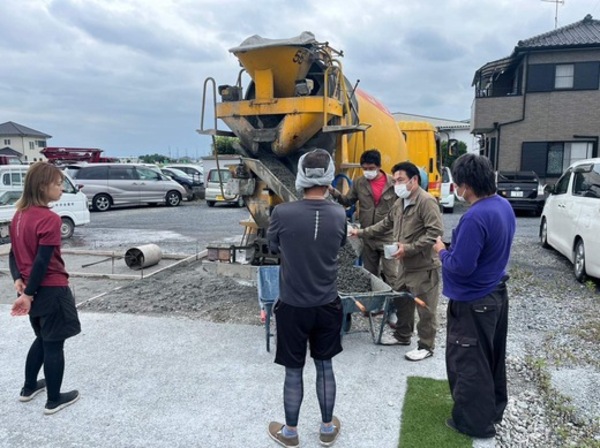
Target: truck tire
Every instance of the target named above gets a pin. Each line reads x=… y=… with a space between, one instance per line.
x=210 y=203
x=173 y=199
x=67 y=227
x=102 y=202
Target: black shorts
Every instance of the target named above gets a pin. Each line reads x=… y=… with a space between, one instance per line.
x=320 y=326
x=53 y=315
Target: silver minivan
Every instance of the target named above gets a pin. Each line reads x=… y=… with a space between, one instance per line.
x=110 y=184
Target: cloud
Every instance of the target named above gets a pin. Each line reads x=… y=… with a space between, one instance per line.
x=127 y=75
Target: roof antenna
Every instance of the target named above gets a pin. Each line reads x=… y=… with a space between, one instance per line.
x=557 y=2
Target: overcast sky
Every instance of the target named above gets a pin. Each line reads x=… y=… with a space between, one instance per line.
x=126 y=75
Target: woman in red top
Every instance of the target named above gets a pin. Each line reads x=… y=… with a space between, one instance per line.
x=42 y=285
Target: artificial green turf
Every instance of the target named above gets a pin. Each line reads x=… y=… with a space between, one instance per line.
x=427 y=406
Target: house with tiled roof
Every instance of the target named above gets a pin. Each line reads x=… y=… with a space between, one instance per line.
x=26 y=141
x=539 y=108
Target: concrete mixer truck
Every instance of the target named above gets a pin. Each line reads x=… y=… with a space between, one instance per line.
x=296 y=99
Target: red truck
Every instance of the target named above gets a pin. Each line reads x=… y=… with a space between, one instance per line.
x=62 y=155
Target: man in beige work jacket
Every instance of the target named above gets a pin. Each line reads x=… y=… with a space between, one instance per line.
x=374 y=192
x=416 y=222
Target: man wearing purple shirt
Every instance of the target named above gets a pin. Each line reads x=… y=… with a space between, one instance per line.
x=474 y=277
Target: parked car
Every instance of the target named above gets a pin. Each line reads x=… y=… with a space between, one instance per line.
x=72 y=207
x=110 y=184
x=522 y=189
x=570 y=220
x=196 y=172
x=214 y=194
x=182 y=179
x=447 y=192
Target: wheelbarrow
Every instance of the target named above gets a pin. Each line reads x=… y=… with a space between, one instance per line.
x=379 y=299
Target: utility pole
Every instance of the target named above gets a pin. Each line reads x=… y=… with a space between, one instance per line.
x=557 y=2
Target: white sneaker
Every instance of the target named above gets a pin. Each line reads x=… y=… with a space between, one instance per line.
x=390 y=339
x=418 y=354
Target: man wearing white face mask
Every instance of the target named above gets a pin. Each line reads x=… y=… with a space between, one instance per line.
x=374 y=192
x=416 y=222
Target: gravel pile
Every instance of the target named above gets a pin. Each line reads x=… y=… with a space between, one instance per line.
x=351 y=279
x=189 y=291
x=554 y=331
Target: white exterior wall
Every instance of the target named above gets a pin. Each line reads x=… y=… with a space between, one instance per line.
x=22 y=145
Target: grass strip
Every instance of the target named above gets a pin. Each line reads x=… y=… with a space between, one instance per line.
x=427 y=406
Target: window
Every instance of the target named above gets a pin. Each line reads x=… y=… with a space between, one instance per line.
x=31 y=145
x=563 y=183
x=587 y=181
x=40 y=143
x=7 y=141
x=564 y=75
x=122 y=173
x=551 y=159
x=14 y=179
x=93 y=172
x=213 y=176
x=147 y=173
x=552 y=77
x=68 y=187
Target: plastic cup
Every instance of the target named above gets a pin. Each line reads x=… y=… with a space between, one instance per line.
x=389 y=250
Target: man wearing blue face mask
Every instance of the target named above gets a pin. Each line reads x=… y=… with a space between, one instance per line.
x=374 y=192
x=416 y=222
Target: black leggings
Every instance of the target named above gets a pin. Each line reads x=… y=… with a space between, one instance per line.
x=293 y=391
x=49 y=354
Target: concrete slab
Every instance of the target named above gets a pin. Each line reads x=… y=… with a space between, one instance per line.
x=171 y=382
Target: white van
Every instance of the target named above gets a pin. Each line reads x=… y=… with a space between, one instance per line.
x=216 y=186
x=72 y=207
x=570 y=220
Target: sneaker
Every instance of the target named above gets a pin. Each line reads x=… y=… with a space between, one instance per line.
x=418 y=354
x=276 y=433
x=66 y=399
x=390 y=339
x=28 y=394
x=329 y=438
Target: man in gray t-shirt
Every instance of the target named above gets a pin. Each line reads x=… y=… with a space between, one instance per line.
x=308 y=235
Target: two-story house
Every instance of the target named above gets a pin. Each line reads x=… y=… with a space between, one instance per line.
x=26 y=141
x=539 y=108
